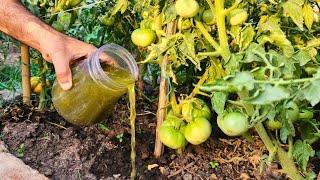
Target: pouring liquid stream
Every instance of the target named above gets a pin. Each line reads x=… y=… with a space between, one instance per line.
x=122 y=76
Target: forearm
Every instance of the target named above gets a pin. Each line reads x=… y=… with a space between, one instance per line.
x=19 y=23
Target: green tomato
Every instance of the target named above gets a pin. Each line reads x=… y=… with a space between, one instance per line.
x=107 y=20
x=187 y=8
x=197 y=131
x=195 y=108
x=305 y=114
x=208 y=17
x=310 y=70
x=171 y=132
x=184 y=24
x=143 y=37
x=273 y=124
x=233 y=124
x=292 y=111
x=237 y=17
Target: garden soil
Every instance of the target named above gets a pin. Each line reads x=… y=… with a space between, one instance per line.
x=45 y=142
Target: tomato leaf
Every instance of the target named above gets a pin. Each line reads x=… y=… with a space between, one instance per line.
x=294 y=11
x=302 y=152
x=311 y=91
x=251 y=55
x=307 y=15
x=218 y=101
x=269 y=94
x=121 y=6
x=247 y=35
x=287 y=129
x=169 y=14
x=303 y=57
x=243 y=80
x=155 y=50
x=187 y=48
x=232 y=65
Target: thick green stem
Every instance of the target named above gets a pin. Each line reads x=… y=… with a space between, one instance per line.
x=264 y=137
x=222 y=32
x=214 y=54
x=286 y=162
x=207 y=36
x=288 y=165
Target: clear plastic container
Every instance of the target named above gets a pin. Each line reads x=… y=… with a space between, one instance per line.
x=96 y=86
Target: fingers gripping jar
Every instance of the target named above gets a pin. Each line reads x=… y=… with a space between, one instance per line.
x=96 y=86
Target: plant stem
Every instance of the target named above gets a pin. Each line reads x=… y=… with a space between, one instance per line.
x=207 y=36
x=215 y=54
x=203 y=78
x=284 y=82
x=286 y=162
x=222 y=32
x=234 y=6
x=288 y=165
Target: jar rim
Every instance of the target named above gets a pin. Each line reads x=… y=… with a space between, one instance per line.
x=124 y=55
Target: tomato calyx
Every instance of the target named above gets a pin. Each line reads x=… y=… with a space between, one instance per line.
x=195 y=108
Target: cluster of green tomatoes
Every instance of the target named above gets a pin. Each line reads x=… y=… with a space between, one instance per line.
x=190 y=124
x=151 y=25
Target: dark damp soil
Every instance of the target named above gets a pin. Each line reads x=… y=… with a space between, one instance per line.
x=44 y=141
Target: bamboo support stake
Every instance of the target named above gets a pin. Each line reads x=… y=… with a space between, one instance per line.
x=25 y=74
x=163 y=99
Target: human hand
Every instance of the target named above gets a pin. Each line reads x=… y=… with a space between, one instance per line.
x=62 y=52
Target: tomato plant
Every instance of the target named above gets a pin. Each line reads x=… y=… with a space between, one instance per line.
x=260 y=58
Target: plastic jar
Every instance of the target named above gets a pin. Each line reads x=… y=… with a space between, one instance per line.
x=96 y=86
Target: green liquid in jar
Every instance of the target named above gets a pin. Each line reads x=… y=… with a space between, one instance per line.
x=89 y=101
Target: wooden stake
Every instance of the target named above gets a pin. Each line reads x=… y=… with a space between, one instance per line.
x=25 y=74
x=163 y=99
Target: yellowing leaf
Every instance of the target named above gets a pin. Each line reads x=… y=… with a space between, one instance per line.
x=307 y=15
x=268 y=23
x=121 y=6
x=247 y=35
x=294 y=11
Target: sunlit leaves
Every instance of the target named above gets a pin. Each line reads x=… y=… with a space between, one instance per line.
x=121 y=6
x=269 y=94
x=307 y=15
x=293 y=9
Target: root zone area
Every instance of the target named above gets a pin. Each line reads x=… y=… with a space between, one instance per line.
x=43 y=140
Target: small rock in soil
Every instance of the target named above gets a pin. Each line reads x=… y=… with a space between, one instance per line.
x=187 y=176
